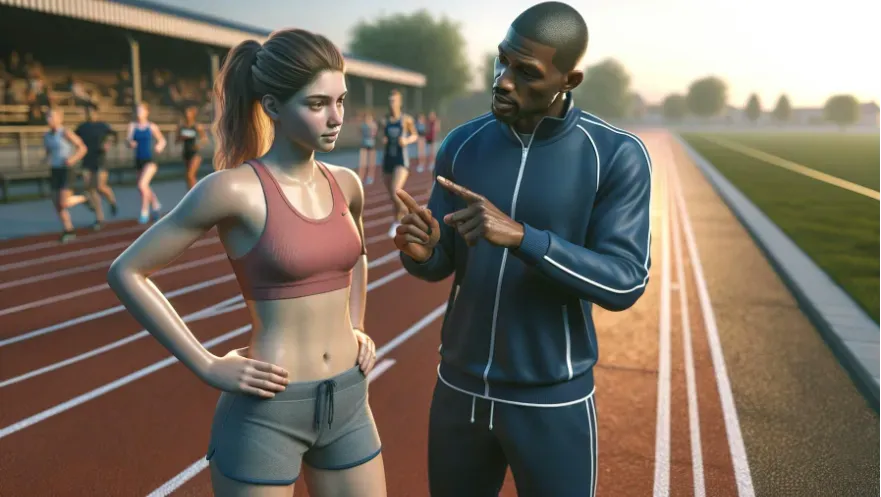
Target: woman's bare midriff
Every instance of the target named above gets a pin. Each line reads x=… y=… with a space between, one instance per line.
x=310 y=337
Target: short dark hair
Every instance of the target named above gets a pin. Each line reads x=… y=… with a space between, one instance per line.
x=557 y=25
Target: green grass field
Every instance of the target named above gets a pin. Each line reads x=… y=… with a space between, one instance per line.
x=837 y=228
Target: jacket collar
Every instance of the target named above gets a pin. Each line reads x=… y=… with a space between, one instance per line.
x=550 y=128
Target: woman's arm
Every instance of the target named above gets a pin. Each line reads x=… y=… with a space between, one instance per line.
x=358 y=295
x=203 y=136
x=160 y=140
x=208 y=203
x=351 y=184
x=78 y=143
x=412 y=133
x=130 y=135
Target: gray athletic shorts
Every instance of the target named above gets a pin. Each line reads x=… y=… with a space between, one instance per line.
x=326 y=423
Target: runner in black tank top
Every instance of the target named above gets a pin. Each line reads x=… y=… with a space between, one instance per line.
x=400 y=132
x=95 y=134
x=191 y=134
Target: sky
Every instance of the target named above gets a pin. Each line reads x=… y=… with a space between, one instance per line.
x=767 y=47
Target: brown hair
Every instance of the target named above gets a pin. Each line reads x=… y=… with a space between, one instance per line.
x=288 y=61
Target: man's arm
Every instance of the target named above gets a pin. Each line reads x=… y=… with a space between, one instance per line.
x=442 y=261
x=611 y=269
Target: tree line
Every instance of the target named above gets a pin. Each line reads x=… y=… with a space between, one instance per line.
x=437 y=48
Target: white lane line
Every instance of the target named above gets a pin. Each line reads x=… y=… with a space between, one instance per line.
x=729 y=409
x=662 y=430
x=795 y=167
x=83 y=269
x=214 y=310
x=371 y=197
x=112 y=310
x=98 y=236
x=64 y=255
x=109 y=387
x=694 y=425
x=103 y=286
x=197 y=467
x=228 y=305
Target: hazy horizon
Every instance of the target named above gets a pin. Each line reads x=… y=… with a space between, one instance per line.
x=756 y=46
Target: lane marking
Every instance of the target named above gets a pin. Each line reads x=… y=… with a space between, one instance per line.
x=729 y=409
x=194 y=469
x=697 y=460
x=98 y=236
x=794 y=167
x=112 y=310
x=103 y=286
x=662 y=431
x=228 y=305
x=211 y=311
x=64 y=255
x=208 y=241
x=82 y=269
x=375 y=195
x=129 y=378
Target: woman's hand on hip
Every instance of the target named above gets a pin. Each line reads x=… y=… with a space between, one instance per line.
x=237 y=373
x=366 y=351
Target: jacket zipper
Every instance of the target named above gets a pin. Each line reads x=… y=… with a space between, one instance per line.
x=492 y=335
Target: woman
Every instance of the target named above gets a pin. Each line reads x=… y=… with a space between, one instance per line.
x=191 y=134
x=367 y=158
x=399 y=133
x=293 y=231
x=420 y=143
x=141 y=136
x=432 y=130
x=63 y=149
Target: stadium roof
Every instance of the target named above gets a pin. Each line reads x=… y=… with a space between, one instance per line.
x=163 y=20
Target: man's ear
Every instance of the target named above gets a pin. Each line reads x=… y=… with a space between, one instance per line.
x=572 y=79
x=270 y=106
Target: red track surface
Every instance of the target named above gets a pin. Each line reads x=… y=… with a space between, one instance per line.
x=133 y=439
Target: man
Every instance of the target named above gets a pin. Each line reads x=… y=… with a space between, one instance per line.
x=95 y=134
x=399 y=131
x=539 y=211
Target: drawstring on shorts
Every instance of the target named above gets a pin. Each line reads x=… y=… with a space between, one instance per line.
x=329 y=387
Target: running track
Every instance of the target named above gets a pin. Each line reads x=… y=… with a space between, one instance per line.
x=92 y=405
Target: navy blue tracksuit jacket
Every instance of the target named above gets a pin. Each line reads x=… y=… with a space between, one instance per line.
x=519 y=326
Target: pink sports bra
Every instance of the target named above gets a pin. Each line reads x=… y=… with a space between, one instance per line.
x=296 y=255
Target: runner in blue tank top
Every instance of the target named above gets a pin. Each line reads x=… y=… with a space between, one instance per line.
x=400 y=132
x=145 y=137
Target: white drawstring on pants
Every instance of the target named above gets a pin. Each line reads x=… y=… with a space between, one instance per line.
x=492 y=407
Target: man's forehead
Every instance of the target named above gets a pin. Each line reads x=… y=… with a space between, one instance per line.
x=527 y=47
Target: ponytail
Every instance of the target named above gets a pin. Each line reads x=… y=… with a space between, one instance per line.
x=242 y=129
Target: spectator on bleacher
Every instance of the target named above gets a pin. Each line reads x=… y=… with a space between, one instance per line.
x=81 y=98
x=192 y=134
x=63 y=150
x=145 y=137
x=125 y=94
x=94 y=134
x=5 y=84
x=39 y=96
x=16 y=69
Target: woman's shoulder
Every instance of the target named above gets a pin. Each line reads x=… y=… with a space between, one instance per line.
x=348 y=179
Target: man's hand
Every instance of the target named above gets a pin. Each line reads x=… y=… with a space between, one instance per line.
x=418 y=232
x=481 y=219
